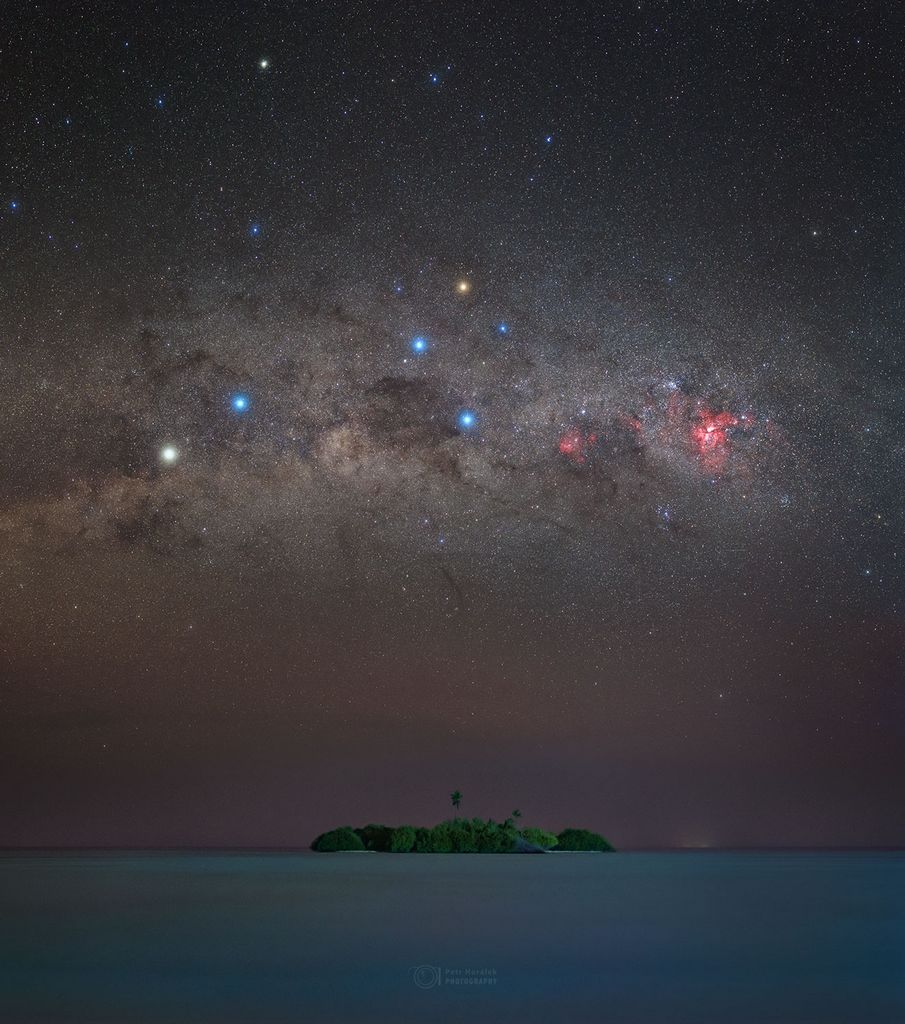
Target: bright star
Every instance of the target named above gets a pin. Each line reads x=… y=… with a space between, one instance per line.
x=169 y=454
x=463 y=287
x=502 y=328
x=255 y=230
x=239 y=402
x=263 y=63
x=419 y=344
x=466 y=419
x=548 y=139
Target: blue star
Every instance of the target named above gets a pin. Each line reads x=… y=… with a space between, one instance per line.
x=240 y=403
x=502 y=327
x=435 y=78
x=255 y=230
x=548 y=139
x=14 y=205
x=419 y=344
x=160 y=102
x=467 y=419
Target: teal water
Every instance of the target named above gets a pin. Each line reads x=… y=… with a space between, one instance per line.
x=731 y=938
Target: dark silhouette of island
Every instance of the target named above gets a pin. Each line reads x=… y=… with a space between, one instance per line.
x=460 y=835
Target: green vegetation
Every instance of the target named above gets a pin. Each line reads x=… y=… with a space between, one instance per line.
x=337 y=839
x=457 y=835
x=375 y=837
x=464 y=835
x=403 y=839
x=580 y=839
x=539 y=837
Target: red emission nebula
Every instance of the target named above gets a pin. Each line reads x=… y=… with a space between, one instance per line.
x=705 y=432
x=710 y=435
x=575 y=444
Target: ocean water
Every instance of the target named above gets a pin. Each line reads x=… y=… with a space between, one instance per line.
x=728 y=938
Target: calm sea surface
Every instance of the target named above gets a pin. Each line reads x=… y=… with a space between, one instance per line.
x=654 y=937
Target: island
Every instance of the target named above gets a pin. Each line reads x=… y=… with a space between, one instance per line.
x=460 y=835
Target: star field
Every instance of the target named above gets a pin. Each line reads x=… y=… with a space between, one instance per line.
x=394 y=394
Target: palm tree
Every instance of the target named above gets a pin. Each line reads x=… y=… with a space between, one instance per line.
x=456 y=798
x=516 y=814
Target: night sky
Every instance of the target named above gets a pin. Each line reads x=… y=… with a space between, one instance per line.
x=402 y=397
